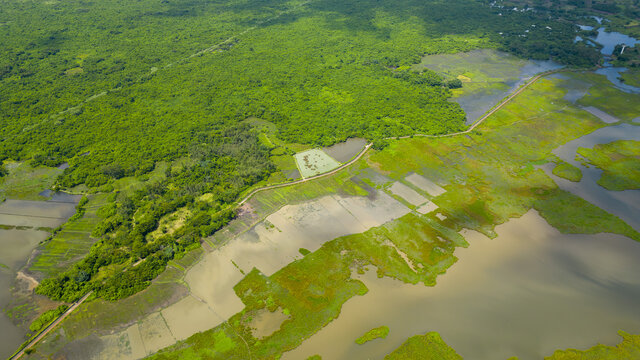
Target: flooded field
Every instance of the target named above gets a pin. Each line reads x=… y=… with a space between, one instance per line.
x=35 y=213
x=345 y=151
x=268 y=246
x=17 y=245
x=624 y=204
x=487 y=75
x=526 y=293
x=313 y=162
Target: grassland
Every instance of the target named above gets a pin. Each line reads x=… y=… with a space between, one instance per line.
x=489 y=174
x=375 y=333
x=619 y=161
x=567 y=171
x=628 y=349
x=429 y=346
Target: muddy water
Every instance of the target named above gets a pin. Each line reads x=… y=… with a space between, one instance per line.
x=16 y=247
x=345 y=151
x=268 y=246
x=624 y=204
x=526 y=293
x=35 y=213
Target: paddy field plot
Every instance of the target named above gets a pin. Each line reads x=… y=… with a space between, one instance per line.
x=315 y=161
x=425 y=185
x=408 y=194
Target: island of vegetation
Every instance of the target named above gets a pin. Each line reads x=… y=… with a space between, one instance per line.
x=375 y=333
x=620 y=162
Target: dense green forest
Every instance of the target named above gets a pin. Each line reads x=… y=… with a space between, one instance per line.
x=115 y=88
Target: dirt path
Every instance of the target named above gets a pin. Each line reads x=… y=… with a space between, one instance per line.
x=264 y=188
x=51 y=326
x=470 y=129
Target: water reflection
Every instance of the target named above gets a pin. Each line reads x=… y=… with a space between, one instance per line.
x=526 y=293
x=624 y=204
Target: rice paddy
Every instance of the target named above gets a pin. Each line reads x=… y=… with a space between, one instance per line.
x=314 y=162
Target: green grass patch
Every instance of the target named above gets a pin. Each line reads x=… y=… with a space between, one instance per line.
x=631 y=77
x=429 y=346
x=571 y=214
x=46 y=318
x=628 y=349
x=623 y=105
x=375 y=333
x=620 y=162
x=567 y=171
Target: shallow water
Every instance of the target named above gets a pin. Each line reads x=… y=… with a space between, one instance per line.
x=613 y=75
x=492 y=66
x=345 y=151
x=624 y=204
x=16 y=246
x=609 y=40
x=526 y=293
x=36 y=213
x=268 y=246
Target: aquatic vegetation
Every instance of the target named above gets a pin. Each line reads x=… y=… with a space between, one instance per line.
x=375 y=333
x=429 y=346
x=567 y=171
x=573 y=215
x=631 y=77
x=620 y=162
x=623 y=105
x=628 y=349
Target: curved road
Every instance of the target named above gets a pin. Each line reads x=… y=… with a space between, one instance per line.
x=264 y=188
x=470 y=129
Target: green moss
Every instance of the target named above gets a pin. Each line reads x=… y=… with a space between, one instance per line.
x=620 y=162
x=628 y=349
x=375 y=333
x=567 y=171
x=429 y=346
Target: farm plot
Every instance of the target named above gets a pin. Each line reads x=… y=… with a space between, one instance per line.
x=313 y=162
